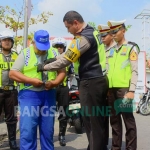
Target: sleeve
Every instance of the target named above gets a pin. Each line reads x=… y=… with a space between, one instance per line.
x=77 y=47
x=60 y=63
x=134 y=67
x=19 y=63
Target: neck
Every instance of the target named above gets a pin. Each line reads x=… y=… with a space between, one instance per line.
x=81 y=27
x=121 y=42
x=109 y=44
x=6 y=52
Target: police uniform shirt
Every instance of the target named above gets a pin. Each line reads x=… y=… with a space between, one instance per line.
x=5 y=73
x=134 y=65
x=113 y=45
x=84 y=45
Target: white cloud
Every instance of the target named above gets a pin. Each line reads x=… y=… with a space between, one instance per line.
x=55 y=26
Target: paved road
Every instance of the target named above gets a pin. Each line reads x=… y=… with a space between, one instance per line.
x=79 y=141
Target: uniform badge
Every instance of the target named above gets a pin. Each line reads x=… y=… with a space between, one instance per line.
x=111 y=53
x=133 y=56
x=124 y=51
x=72 y=46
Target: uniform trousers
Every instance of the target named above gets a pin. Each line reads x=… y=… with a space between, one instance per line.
x=93 y=96
x=116 y=122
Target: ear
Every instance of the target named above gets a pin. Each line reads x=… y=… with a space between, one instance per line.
x=75 y=22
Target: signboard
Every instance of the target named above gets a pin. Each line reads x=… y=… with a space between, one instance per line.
x=141 y=88
x=141 y=73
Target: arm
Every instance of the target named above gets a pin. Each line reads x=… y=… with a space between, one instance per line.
x=63 y=60
x=21 y=78
x=134 y=68
x=61 y=74
x=17 y=75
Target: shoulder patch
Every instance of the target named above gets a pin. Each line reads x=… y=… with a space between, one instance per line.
x=133 y=56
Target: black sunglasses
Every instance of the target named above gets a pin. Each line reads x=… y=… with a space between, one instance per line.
x=59 y=46
x=104 y=34
x=115 y=31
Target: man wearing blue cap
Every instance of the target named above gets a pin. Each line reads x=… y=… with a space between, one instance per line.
x=37 y=93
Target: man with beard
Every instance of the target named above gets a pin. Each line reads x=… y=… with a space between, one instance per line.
x=8 y=88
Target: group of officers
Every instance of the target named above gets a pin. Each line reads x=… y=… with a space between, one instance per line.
x=106 y=64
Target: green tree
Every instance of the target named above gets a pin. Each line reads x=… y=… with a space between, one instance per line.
x=14 y=20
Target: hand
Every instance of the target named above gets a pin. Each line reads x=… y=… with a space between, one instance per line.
x=148 y=63
x=49 y=60
x=36 y=82
x=129 y=95
x=40 y=67
x=50 y=84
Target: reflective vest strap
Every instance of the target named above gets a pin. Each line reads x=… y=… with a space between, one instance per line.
x=101 y=51
x=65 y=80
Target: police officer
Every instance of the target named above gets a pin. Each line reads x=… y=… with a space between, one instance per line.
x=123 y=75
x=37 y=95
x=108 y=41
x=87 y=48
x=62 y=93
x=8 y=88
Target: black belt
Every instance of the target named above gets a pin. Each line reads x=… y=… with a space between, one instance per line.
x=8 y=88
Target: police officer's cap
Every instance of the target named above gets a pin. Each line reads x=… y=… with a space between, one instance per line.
x=116 y=24
x=103 y=29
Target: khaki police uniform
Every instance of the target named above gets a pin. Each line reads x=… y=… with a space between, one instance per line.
x=109 y=44
x=122 y=74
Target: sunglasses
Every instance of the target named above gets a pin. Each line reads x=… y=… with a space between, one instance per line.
x=104 y=34
x=59 y=46
x=115 y=31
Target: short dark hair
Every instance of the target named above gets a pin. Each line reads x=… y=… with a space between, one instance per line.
x=70 y=16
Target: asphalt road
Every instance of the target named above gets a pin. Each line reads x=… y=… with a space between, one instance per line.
x=79 y=141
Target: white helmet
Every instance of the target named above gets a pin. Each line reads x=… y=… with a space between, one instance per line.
x=6 y=34
x=59 y=40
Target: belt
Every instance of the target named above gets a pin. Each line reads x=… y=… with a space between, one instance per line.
x=8 y=87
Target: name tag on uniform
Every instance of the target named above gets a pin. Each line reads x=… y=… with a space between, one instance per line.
x=111 y=52
x=124 y=51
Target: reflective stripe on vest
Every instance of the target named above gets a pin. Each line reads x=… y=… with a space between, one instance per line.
x=119 y=73
x=101 y=52
x=65 y=79
x=76 y=67
x=6 y=65
x=30 y=67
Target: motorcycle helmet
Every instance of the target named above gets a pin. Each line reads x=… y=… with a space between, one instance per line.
x=6 y=35
x=59 y=41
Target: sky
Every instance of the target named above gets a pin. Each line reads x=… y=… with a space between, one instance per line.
x=97 y=11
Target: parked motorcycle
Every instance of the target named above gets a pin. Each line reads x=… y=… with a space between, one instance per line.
x=144 y=104
x=75 y=118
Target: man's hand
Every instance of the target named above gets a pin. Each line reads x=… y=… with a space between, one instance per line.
x=148 y=63
x=129 y=95
x=40 y=67
x=36 y=82
x=50 y=84
x=49 y=60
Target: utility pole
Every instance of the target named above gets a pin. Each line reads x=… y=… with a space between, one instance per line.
x=27 y=13
x=145 y=16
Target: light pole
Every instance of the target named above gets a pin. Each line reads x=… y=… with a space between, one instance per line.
x=144 y=15
x=27 y=13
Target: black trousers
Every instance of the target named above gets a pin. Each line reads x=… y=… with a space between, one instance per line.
x=9 y=102
x=62 y=97
x=116 y=122
x=92 y=96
